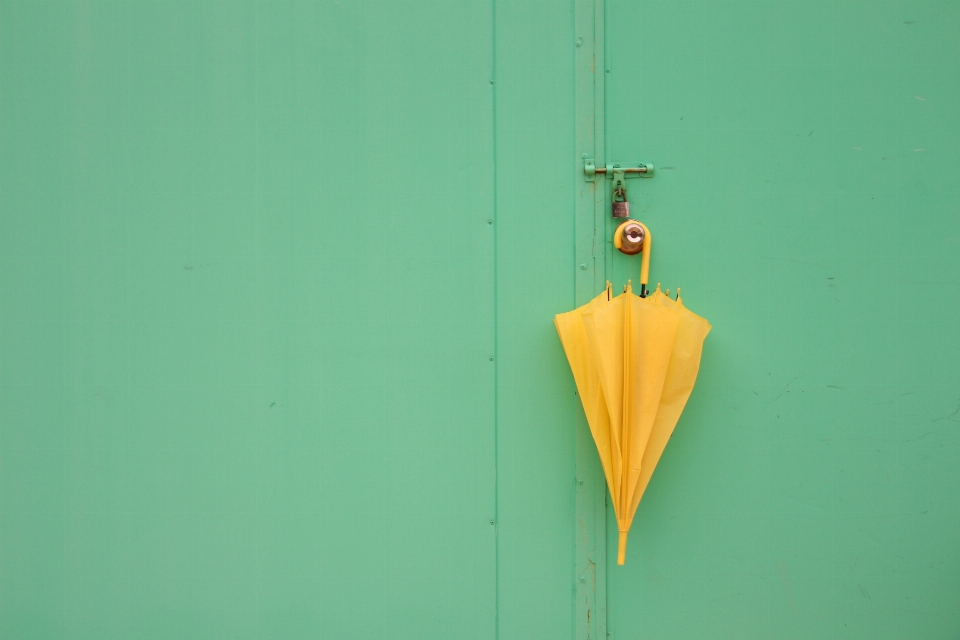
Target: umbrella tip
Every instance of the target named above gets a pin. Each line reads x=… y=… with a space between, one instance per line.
x=678 y=294
x=622 y=548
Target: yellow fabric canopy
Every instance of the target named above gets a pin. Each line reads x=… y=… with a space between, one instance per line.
x=635 y=361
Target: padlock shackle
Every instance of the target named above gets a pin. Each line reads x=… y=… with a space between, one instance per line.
x=647 y=243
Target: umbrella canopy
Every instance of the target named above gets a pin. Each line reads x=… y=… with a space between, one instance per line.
x=573 y=335
x=634 y=360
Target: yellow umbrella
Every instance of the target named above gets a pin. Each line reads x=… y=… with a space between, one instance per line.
x=574 y=338
x=634 y=360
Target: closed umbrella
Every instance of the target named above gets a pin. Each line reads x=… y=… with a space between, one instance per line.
x=635 y=360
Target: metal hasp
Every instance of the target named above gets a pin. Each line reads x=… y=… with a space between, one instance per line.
x=620 y=206
x=639 y=170
x=618 y=201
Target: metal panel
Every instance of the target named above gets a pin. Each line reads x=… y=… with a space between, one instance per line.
x=806 y=201
x=539 y=435
x=247 y=320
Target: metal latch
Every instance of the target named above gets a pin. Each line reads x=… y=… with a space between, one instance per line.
x=639 y=170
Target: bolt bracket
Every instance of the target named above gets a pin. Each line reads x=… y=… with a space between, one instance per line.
x=639 y=170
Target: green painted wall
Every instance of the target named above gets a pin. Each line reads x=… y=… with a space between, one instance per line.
x=262 y=266
x=811 y=211
x=256 y=257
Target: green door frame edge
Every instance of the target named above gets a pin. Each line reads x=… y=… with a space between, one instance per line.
x=590 y=547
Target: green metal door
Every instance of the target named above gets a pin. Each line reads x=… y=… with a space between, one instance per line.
x=806 y=201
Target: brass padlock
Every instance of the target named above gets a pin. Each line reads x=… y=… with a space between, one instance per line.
x=621 y=208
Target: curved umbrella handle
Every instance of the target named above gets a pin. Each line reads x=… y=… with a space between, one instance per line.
x=645 y=249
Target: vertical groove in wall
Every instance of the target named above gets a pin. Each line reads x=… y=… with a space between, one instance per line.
x=496 y=351
x=589 y=228
x=605 y=224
